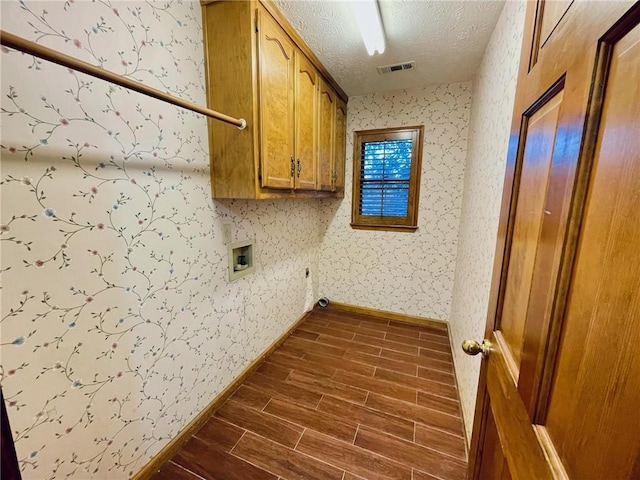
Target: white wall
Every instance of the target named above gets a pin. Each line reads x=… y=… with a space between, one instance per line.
x=491 y=112
x=410 y=273
x=119 y=324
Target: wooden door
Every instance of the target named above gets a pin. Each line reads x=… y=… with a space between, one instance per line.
x=306 y=123
x=276 y=103
x=326 y=128
x=559 y=393
x=340 y=145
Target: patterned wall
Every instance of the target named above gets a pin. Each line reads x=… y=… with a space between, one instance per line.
x=491 y=111
x=118 y=322
x=410 y=273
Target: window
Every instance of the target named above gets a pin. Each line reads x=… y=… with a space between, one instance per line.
x=386 y=178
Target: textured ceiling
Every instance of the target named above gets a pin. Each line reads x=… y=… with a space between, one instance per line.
x=445 y=38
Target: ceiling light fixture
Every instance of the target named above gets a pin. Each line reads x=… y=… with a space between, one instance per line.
x=370 y=25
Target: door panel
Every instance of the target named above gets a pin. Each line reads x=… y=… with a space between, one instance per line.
x=559 y=392
x=275 y=78
x=593 y=416
x=325 y=136
x=339 y=155
x=552 y=13
x=525 y=456
x=530 y=212
x=306 y=123
x=494 y=466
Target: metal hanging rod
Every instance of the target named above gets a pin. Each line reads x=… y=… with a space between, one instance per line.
x=18 y=43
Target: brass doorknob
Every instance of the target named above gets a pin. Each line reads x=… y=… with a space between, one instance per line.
x=472 y=347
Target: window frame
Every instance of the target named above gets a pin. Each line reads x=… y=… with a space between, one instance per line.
x=388 y=223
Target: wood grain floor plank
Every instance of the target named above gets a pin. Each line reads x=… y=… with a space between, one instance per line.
x=251 y=397
x=272 y=370
x=442 y=404
x=332 y=332
x=385 y=363
x=433 y=337
x=417 y=383
x=261 y=423
x=438 y=330
x=351 y=476
x=417 y=334
x=289 y=464
x=435 y=375
x=349 y=346
x=306 y=335
x=303 y=365
x=377 y=342
x=212 y=464
x=417 y=342
x=220 y=433
x=291 y=351
x=333 y=317
x=352 y=459
x=366 y=317
x=306 y=346
x=312 y=419
x=173 y=471
x=434 y=439
x=373 y=323
x=433 y=354
x=416 y=456
x=341 y=364
x=355 y=317
x=325 y=386
x=279 y=389
x=402 y=331
x=423 y=361
x=418 y=475
x=317 y=320
x=376 y=385
x=367 y=416
x=355 y=329
x=427 y=416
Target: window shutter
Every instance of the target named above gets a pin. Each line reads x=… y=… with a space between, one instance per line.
x=385 y=175
x=386 y=178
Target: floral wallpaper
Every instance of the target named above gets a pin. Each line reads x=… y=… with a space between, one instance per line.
x=410 y=273
x=491 y=112
x=118 y=323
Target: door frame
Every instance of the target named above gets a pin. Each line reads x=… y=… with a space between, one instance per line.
x=510 y=196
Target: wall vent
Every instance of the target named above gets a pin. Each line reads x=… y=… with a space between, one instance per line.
x=396 y=67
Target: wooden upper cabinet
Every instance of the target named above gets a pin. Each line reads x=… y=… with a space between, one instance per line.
x=258 y=68
x=326 y=132
x=340 y=146
x=306 y=143
x=275 y=83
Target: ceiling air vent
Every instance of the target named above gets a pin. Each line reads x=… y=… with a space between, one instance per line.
x=397 y=67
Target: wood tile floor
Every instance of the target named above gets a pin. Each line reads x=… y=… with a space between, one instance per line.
x=346 y=397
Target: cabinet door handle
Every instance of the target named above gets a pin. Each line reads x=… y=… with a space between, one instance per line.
x=293 y=166
x=299 y=168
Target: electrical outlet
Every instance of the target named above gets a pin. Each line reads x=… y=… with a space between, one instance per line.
x=227 y=234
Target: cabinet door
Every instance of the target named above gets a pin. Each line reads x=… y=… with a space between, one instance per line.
x=276 y=103
x=340 y=146
x=326 y=124
x=306 y=123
